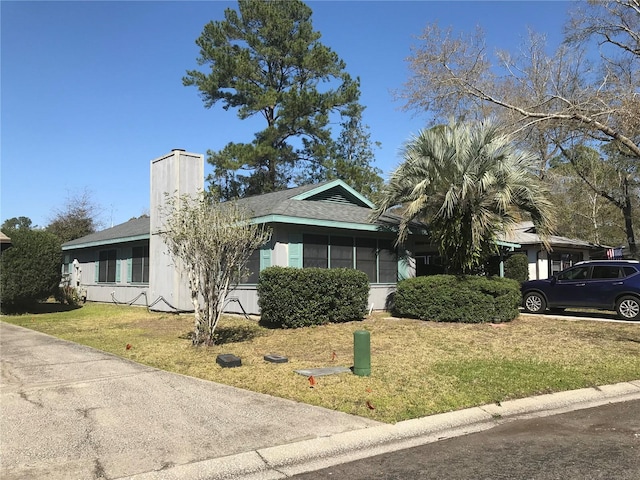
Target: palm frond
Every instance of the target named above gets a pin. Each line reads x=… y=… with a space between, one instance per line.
x=470 y=184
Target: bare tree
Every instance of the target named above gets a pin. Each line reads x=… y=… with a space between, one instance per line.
x=79 y=216
x=213 y=243
x=583 y=212
x=545 y=101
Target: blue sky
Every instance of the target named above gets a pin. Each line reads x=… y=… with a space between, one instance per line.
x=91 y=92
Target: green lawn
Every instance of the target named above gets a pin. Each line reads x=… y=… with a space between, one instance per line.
x=418 y=368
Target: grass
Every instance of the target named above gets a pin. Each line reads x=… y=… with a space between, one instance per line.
x=418 y=368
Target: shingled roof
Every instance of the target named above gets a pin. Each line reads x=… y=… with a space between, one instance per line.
x=329 y=204
x=525 y=234
x=135 y=229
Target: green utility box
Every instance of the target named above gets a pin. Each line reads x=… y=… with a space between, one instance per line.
x=362 y=353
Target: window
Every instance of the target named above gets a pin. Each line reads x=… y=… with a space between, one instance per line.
x=429 y=264
x=628 y=271
x=66 y=264
x=107 y=266
x=606 y=272
x=378 y=259
x=315 y=252
x=578 y=273
x=387 y=262
x=341 y=252
x=561 y=261
x=366 y=257
x=253 y=267
x=140 y=265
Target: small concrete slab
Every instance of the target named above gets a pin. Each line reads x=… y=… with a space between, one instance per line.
x=275 y=358
x=319 y=372
x=228 y=360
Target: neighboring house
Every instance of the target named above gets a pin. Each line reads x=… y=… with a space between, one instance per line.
x=564 y=251
x=5 y=242
x=326 y=225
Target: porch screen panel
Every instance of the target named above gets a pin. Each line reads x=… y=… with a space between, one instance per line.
x=140 y=265
x=387 y=262
x=341 y=252
x=366 y=257
x=315 y=251
x=253 y=267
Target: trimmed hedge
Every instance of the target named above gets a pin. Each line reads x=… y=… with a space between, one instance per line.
x=517 y=267
x=294 y=297
x=30 y=269
x=448 y=298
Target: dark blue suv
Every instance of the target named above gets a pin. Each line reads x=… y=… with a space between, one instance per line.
x=598 y=284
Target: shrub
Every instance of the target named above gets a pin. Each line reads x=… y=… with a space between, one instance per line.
x=448 y=298
x=517 y=267
x=31 y=269
x=293 y=297
x=67 y=295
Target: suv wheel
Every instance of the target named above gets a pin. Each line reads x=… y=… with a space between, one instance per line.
x=534 y=302
x=628 y=308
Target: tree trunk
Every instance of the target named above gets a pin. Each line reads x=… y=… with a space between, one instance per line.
x=197 y=320
x=628 y=220
x=594 y=219
x=197 y=327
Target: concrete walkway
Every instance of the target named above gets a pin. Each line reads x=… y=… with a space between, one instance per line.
x=69 y=411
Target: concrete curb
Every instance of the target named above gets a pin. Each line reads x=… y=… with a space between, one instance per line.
x=283 y=461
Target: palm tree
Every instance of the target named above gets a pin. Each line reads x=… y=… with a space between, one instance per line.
x=469 y=184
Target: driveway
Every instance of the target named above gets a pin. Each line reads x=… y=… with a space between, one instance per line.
x=579 y=315
x=69 y=411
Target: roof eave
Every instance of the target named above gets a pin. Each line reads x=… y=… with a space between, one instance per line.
x=111 y=241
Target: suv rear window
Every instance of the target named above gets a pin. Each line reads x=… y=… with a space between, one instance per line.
x=606 y=271
x=628 y=271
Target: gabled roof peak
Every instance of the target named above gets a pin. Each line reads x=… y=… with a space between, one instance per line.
x=335 y=191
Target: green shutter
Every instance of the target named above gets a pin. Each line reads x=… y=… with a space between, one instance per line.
x=403 y=265
x=295 y=250
x=97 y=270
x=118 y=262
x=129 y=255
x=265 y=256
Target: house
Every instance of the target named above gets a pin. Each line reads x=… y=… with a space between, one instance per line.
x=110 y=265
x=325 y=225
x=542 y=263
x=5 y=242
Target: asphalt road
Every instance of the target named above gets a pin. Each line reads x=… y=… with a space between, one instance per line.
x=596 y=443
